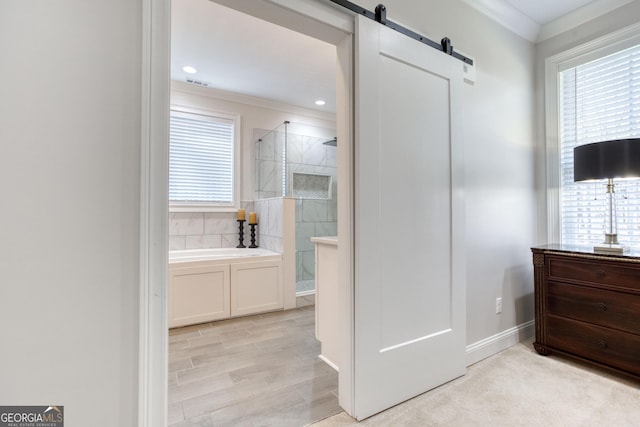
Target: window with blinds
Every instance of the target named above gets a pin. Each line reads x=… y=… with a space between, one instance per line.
x=201 y=160
x=599 y=100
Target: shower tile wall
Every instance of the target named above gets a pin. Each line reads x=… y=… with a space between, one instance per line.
x=270 y=230
x=314 y=217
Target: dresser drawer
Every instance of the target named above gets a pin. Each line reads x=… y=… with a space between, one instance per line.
x=594 y=271
x=606 y=308
x=614 y=348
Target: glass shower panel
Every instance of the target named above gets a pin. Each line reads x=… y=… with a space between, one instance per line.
x=270 y=165
x=300 y=161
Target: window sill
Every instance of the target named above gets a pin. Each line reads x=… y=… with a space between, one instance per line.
x=201 y=208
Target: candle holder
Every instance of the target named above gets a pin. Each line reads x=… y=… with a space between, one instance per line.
x=241 y=233
x=253 y=236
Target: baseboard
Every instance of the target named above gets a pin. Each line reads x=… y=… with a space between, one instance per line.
x=306 y=293
x=329 y=362
x=498 y=342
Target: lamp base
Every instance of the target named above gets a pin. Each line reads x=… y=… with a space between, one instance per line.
x=610 y=248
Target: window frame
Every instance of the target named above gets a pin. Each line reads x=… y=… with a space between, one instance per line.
x=237 y=162
x=554 y=65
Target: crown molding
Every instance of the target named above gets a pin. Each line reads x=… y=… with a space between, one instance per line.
x=511 y=18
x=507 y=16
x=253 y=101
x=578 y=17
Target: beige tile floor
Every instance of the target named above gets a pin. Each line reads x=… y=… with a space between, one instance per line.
x=260 y=370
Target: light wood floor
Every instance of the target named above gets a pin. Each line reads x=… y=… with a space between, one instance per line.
x=260 y=370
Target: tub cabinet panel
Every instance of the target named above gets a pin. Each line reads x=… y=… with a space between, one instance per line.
x=198 y=294
x=226 y=285
x=256 y=287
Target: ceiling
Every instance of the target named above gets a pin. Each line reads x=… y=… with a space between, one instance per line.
x=242 y=54
x=239 y=53
x=545 y=11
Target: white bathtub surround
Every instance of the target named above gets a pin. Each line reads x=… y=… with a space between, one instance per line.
x=226 y=254
x=205 y=230
x=213 y=284
x=270 y=223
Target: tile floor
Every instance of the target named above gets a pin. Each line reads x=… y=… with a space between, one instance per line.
x=260 y=370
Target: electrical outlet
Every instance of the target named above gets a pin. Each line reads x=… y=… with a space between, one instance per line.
x=498 y=305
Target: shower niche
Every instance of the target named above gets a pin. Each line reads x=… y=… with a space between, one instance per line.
x=310 y=186
x=299 y=162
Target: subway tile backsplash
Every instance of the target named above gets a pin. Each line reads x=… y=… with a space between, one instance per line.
x=186 y=224
x=205 y=230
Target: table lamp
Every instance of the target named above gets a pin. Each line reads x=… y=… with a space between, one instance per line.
x=608 y=160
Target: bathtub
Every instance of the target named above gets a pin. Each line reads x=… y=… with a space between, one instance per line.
x=221 y=254
x=206 y=285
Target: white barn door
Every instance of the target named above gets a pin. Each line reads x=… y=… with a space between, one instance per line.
x=409 y=217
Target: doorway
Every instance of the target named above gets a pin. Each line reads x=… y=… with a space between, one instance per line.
x=313 y=18
x=206 y=331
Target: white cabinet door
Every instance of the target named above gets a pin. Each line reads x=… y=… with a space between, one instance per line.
x=410 y=305
x=198 y=294
x=256 y=287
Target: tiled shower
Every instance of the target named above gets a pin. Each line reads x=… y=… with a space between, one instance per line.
x=299 y=161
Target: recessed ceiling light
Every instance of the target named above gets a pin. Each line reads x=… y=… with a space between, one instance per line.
x=320 y=102
x=189 y=69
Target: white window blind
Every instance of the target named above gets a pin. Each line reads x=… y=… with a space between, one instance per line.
x=201 y=160
x=599 y=100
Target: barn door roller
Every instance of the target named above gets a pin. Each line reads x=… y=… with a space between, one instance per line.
x=380 y=16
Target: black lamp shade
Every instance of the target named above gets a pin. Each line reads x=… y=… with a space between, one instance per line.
x=608 y=159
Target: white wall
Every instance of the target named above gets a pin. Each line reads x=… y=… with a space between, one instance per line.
x=69 y=177
x=499 y=152
x=69 y=180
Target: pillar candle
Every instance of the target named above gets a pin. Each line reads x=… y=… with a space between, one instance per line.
x=253 y=218
x=241 y=214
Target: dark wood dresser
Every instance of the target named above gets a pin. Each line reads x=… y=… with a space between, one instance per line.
x=588 y=306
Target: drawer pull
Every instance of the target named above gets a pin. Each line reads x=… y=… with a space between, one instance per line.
x=602 y=344
x=602 y=306
x=600 y=274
